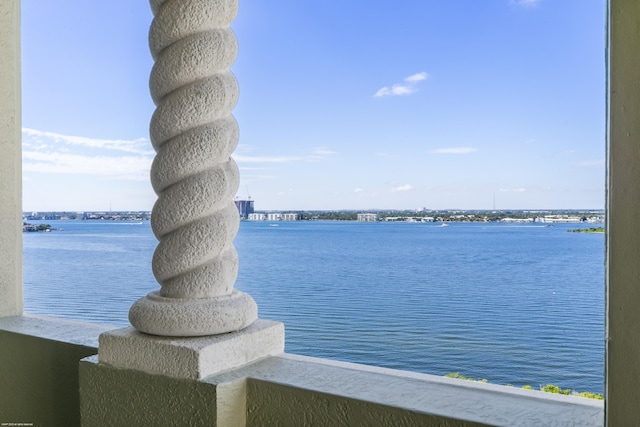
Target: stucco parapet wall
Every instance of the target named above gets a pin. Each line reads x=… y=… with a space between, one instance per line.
x=448 y=398
x=55 y=329
x=191 y=358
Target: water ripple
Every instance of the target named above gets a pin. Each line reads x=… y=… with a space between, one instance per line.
x=519 y=305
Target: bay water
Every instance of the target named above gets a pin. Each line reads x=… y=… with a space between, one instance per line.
x=519 y=304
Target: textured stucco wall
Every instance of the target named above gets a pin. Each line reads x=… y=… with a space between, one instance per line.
x=273 y=404
x=39 y=375
x=290 y=390
x=623 y=225
x=126 y=397
x=10 y=161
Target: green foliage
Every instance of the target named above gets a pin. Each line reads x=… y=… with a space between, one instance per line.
x=587 y=230
x=328 y=215
x=590 y=395
x=549 y=388
x=39 y=227
x=458 y=376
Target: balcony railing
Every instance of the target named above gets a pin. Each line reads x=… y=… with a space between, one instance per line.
x=46 y=363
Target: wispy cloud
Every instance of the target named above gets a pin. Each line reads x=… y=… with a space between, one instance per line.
x=251 y=168
x=122 y=167
x=252 y=177
x=323 y=152
x=137 y=146
x=591 y=163
x=513 y=190
x=317 y=154
x=268 y=159
x=395 y=90
x=525 y=3
x=53 y=153
x=406 y=88
x=358 y=190
x=417 y=77
x=455 y=150
x=406 y=187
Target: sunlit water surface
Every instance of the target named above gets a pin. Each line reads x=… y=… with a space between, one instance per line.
x=514 y=304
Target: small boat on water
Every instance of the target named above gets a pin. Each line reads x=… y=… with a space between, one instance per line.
x=444 y=225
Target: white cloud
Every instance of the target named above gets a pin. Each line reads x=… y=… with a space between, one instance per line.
x=591 y=163
x=52 y=153
x=512 y=190
x=32 y=137
x=266 y=159
x=401 y=188
x=251 y=178
x=121 y=167
x=324 y=152
x=402 y=89
x=318 y=154
x=455 y=150
x=395 y=90
x=250 y=168
x=525 y=3
x=417 y=77
x=358 y=190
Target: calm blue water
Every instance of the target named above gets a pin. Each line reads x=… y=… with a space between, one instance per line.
x=515 y=304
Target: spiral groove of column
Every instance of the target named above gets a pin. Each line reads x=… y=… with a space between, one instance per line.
x=193 y=174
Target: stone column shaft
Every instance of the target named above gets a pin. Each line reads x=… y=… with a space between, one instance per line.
x=193 y=174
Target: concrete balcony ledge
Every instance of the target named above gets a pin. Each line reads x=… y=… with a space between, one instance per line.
x=55 y=329
x=39 y=359
x=299 y=390
x=40 y=354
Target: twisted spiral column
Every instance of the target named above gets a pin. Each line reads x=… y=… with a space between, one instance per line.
x=194 y=135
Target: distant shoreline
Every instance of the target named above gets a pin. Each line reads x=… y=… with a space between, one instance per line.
x=550 y=217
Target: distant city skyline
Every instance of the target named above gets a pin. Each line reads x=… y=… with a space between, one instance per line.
x=446 y=105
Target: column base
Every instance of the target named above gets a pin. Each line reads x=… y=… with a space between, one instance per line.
x=192 y=358
x=192 y=317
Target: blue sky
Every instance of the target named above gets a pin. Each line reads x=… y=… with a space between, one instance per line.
x=343 y=104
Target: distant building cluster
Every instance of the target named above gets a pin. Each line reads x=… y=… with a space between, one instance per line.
x=96 y=215
x=557 y=219
x=245 y=207
x=368 y=217
x=274 y=216
x=408 y=219
x=247 y=212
